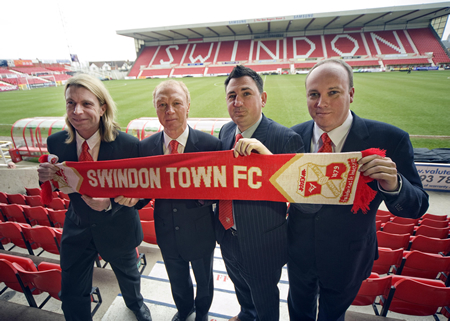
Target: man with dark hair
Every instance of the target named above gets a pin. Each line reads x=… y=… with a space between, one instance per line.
x=253 y=234
x=331 y=250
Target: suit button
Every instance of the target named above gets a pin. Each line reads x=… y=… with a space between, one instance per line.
x=94 y=225
x=177 y=228
x=175 y=210
x=317 y=218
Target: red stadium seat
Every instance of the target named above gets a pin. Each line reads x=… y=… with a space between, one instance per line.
x=33 y=200
x=148 y=227
x=434 y=223
x=13 y=231
x=388 y=260
x=393 y=241
x=146 y=214
x=395 y=228
x=14 y=213
x=48 y=238
x=419 y=297
x=430 y=245
x=37 y=214
x=371 y=288
x=33 y=191
x=57 y=217
x=16 y=199
x=440 y=233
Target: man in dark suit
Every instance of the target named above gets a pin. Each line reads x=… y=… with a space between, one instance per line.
x=95 y=225
x=254 y=248
x=184 y=228
x=331 y=250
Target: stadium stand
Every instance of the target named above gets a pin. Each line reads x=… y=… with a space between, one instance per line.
x=377 y=49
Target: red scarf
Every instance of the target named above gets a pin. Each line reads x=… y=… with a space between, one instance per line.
x=320 y=178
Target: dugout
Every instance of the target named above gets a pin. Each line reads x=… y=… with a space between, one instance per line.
x=29 y=136
x=147 y=126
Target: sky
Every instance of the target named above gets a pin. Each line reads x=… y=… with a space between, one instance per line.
x=54 y=29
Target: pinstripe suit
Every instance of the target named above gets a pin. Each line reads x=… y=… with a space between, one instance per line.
x=255 y=254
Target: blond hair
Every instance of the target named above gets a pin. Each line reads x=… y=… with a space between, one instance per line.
x=108 y=126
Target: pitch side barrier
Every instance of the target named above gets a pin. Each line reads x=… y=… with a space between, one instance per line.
x=29 y=136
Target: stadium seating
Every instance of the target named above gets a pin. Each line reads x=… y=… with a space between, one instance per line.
x=371 y=288
x=393 y=241
x=16 y=199
x=47 y=278
x=388 y=261
x=9 y=265
x=57 y=217
x=13 y=231
x=367 y=48
x=37 y=214
x=430 y=245
x=148 y=227
x=47 y=238
x=33 y=191
x=14 y=213
x=415 y=296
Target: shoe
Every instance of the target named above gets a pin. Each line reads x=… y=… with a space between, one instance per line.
x=143 y=314
x=236 y=318
x=176 y=316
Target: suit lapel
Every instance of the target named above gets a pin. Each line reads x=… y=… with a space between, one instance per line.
x=157 y=149
x=106 y=151
x=69 y=152
x=228 y=137
x=307 y=136
x=191 y=144
x=357 y=136
x=262 y=130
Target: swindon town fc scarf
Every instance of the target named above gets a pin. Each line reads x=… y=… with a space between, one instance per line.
x=321 y=178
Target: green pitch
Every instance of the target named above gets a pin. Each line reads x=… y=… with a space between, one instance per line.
x=419 y=102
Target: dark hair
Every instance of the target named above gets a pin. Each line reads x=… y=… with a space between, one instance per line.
x=341 y=62
x=241 y=71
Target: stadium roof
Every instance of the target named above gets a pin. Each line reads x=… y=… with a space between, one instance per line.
x=387 y=18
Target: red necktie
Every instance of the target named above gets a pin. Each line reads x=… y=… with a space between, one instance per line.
x=85 y=156
x=226 y=206
x=326 y=146
x=174 y=146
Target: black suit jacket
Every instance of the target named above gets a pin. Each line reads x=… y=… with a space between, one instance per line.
x=115 y=232
x=343 y=245
x=261 y=225
x=183 y=227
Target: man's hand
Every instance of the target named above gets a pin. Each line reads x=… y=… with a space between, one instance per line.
x=245 y=146
x=384 y=170
x=122 y=200
x=96 y=203
x=47 y=171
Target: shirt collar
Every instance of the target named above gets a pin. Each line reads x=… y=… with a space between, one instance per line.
x=92 y=141
x=248 y=133
x=182 y=139
x=336 y=135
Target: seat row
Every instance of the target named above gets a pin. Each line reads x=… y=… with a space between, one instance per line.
x=59 y=200
x=30 y=238
x=412 y=263
x=35 y=215
x=405 y=295
x=22 y=275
